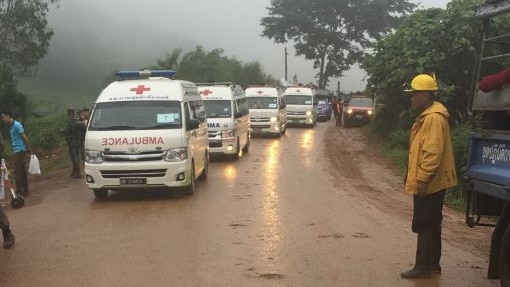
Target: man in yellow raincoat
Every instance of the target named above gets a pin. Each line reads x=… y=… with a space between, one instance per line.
x=431 y=169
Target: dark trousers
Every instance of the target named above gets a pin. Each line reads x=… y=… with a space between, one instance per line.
x=20 y=173
x=427 y=219
x=4 y=221
x=74 y=155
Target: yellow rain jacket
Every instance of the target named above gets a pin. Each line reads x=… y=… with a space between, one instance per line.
x=430 y=151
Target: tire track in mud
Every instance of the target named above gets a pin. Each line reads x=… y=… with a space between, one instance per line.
x=358 y=169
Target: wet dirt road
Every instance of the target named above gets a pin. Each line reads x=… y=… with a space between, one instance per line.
x=317 y=207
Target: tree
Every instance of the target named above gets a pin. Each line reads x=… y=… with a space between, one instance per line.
x=202 y=66
x=446 y=42
x=24 y=40
x=332 y=33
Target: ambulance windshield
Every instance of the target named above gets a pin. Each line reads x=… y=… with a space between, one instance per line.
x=218 y=109
x=262 y=102
x=136 y=115
x=298 y=100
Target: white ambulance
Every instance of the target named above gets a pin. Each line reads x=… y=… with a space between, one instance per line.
x=228 y=118
x=268 y=114
x=146 y=131
x=301 y=106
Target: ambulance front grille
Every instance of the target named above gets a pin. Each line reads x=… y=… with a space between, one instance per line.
x=122 y=156
x=133 y=173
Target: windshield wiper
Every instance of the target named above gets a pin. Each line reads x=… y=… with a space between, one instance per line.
x=160 y=126
x=113 y=128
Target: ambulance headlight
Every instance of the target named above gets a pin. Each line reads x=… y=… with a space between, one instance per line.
x=228 y=133
x=93 y=156
x=274 y=119
x=349 y=111
x=308 y=113
x=370 y=112
x=176 y=154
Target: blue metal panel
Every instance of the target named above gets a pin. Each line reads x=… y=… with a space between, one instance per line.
x=489 y=158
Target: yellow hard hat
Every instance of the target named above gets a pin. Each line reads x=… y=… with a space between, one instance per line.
x=423 y=82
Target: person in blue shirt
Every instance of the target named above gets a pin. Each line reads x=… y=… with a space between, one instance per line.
x=20 y=148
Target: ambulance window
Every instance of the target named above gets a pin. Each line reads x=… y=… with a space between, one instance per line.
x=136 y=115
x=218 y=108
x=197 y=110
x=242 y=106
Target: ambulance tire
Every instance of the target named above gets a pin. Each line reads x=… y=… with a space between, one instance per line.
x=205 y=172
x=190 y=189
x=246 y=147
x=504 y=259
x=239 y=151
x=17 y=202
x=101 y=193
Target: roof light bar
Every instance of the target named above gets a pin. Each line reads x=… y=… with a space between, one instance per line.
x=215 y=84
x=145 y=74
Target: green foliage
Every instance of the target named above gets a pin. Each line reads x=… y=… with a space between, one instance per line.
x=332 y=33
x=24 y=40
x=446 y=42
x=43 y=134
x=202 y=66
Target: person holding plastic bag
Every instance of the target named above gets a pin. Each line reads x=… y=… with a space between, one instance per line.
x=33 y=165
x=9 y=238
x=20 y=148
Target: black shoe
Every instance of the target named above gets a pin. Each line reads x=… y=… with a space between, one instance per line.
x=416 y=273
x=9 y=240
x=435 y=269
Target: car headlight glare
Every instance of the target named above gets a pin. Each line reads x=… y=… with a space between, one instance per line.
x=176 y=154
x=274 y=119
x=309 y=113
x=93 y=156
x=228 y=133
x=370 y=112
x=349 y=111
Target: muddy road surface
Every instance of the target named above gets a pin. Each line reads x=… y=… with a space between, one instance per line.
x=317 y=207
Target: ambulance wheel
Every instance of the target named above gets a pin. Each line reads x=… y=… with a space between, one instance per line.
x=190 y=189
x=504 y=259
x=246 y=148
x=101 y=193
x=239 y=150
x=17 y=202
x=205 y=172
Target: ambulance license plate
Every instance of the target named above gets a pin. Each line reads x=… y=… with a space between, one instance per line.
x=132 y=181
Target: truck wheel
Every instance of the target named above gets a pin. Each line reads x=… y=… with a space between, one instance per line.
x=101 y=193
x=504 y=259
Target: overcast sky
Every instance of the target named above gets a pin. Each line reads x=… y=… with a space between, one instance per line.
x=232 y=25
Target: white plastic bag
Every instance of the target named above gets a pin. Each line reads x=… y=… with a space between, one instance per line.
x=33 y=166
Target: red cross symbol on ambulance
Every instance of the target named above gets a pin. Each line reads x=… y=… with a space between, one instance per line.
x=206 y=92
x=260 y=92
x=140 y=89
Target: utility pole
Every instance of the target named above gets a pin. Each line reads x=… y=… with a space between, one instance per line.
x=285 y=50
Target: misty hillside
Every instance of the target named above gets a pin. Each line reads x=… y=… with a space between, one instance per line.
x=87 y=47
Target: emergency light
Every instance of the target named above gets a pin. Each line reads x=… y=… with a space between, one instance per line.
x=145 y=74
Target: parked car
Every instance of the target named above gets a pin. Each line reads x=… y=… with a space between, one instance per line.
x=324 y=110
x=358 y=110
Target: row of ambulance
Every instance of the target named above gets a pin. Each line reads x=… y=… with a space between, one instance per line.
x=148 y=130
